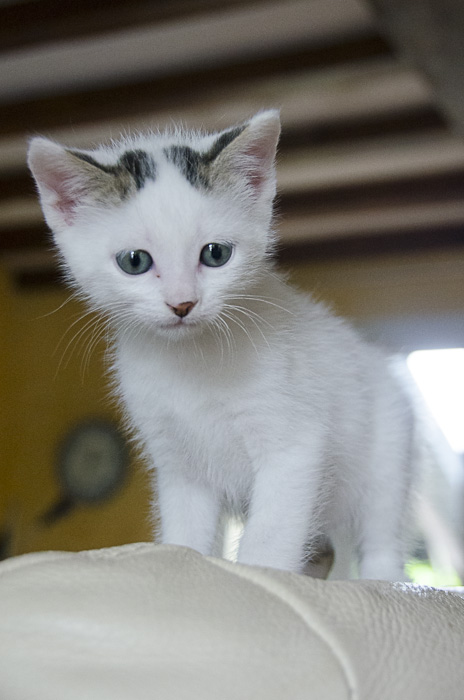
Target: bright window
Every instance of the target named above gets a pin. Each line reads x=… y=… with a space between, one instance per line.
x=439 y=375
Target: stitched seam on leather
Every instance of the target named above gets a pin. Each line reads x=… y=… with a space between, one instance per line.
x=279 y=591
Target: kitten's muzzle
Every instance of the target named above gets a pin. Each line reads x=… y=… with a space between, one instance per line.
x=183 y=309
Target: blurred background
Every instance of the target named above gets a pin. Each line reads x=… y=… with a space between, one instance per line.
x=370 y=205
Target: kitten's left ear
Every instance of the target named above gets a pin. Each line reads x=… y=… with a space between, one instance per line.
x=66 y=182
x=57 y=181
x=251 y=154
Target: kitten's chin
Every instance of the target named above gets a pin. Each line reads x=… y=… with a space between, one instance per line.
x=179 y=330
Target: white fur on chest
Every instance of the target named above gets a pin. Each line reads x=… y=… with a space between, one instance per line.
x=212 y=413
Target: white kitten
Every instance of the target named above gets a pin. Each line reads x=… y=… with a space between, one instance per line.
x=249 y=397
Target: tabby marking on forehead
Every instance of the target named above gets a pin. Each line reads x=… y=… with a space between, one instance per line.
x=195 y=165
x=140 y=165
x=132 y=169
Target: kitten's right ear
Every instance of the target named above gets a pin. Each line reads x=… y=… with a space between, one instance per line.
x=61 y=180
x=251 y=154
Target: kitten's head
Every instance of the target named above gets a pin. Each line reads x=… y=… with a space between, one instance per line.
x=163 y=229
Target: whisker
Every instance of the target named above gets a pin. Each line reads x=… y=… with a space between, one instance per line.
x=73 y=343
x=224 y=332
x=79 y=318
x=71 y=297
x=250 y=313
x=199 y=350
x=265 y=300
x=99 y=331
x=242 y=327
x=254 y=318
x=95 y=327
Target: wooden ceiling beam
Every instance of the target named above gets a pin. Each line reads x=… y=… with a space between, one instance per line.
x=34 y=236
x=404 y=191
x=229 y=35
x=379 y=160
x=343 y=102
x=371 y=220
x=31 y=23
x=442 y=237
x=171 y=92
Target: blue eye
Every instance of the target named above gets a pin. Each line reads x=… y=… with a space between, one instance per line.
x=134 y=262
x=215 y=254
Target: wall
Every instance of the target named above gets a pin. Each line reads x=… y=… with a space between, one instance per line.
x=49 y=385
x=405 y=301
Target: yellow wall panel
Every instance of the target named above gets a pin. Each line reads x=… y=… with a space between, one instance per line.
x=48 y=387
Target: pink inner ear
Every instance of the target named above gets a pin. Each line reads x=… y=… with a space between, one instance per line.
x=65 y=194
x=258 y=160
x=66 y=205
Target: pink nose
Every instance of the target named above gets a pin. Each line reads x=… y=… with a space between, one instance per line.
x=183 y=309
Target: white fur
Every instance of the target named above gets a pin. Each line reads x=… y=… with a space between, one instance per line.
x=260 y=402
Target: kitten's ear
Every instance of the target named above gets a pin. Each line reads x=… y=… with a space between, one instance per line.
x=251 y=154
x=65 y=182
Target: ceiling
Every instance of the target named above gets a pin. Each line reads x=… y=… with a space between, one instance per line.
x=371 y=157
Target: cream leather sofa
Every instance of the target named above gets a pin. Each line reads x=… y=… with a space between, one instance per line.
x=146 y=622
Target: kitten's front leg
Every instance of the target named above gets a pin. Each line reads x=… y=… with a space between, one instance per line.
x=189 y=512
x=283 y=510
